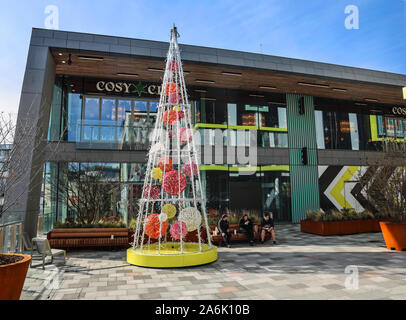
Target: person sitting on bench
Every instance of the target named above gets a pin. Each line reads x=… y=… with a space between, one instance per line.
x=267 y=227
x=246 y=227
x=224 y=229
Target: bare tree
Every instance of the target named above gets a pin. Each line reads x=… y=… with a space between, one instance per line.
x=384 y=182
x=87 y=192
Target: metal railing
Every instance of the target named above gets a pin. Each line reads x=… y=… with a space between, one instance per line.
x=11 y=237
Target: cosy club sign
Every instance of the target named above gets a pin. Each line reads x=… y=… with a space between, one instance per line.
x=128 y=88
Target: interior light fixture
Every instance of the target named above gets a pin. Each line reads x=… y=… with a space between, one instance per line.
x=91 y=58
x=278 y=103
x=257 y=95
x=371 y=100
x=209 y=99
x=156 y=69
x=340 y=89
x=60 y=53
x=204 y=81
x=229 y=73
x=126 y=74
x=201 y=91
x=267 y=87
x=313 y=85
x=360 y=104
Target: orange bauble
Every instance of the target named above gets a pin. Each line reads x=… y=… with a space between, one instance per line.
x=170 y=117
x=171 y=87
x=153 y=225
x=165 y=164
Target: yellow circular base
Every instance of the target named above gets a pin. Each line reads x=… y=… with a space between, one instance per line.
x=170 y=255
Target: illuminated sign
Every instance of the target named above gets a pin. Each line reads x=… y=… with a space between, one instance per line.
x=128 y=87
x=404 y=93
x=399 y=111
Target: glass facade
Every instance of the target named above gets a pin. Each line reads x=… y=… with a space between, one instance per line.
x=237 y=122
x=229 y=191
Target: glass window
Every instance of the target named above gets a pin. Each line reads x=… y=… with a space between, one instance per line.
x=108 y=120
x=74 y=115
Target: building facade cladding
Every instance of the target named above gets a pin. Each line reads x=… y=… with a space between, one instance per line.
x=83 y=129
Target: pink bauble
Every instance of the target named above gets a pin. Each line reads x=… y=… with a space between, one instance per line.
x=176 y=232
x=174 y=182
x=152 y=193
x=174 y=97
x=185 y=134
x=190 y=170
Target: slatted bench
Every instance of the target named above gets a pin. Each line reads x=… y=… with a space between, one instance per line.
x=89 y=238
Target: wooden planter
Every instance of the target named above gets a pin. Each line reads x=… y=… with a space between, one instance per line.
x=89 y=238
x=12 y=277
x=331 y=228
x=394 y=234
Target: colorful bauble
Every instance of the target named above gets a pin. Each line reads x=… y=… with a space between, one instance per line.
x=169 y=210
x=174 y=97
x=185 y=134
x=153 y=226
x=174 y=182
x=173 y=65
x=178 y=230
x=157 y=148
x=181 y=114
x=163 y=217
x=157 y=174
x=152 y=192
x=170 y=117
x=190 y=170
x=165 y=164
x=171 y=87
x=192 y=217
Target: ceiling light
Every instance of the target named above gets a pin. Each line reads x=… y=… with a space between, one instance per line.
x=229 y=73
x=267 y=87
x=209 y=99
x=201 y=91
x=376 y=111
x=313 y=84
x=360 y=104
x=91 y=58
x=205 y=81
x=278 y=103
x=340 y=89
x=63 y=61
x=155 y=69
x=257 y=95
x=60 y=53
x=126 y=74
x=371 y=100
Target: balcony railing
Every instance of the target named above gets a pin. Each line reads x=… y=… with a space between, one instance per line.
x=112 y=136
x=11 y=237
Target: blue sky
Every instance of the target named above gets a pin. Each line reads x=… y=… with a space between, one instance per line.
x=304 y=29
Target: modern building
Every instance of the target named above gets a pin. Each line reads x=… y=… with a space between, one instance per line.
x=314 y=126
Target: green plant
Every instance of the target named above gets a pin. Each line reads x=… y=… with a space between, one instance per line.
x=66 y=225
x=133 y=224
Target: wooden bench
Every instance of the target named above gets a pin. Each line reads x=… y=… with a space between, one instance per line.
x=236 y=236
x=89 y=238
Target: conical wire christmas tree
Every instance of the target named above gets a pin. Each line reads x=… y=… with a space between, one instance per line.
x=172 y=227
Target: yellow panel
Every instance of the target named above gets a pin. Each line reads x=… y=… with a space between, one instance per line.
x=170 y=256
x=404 y=93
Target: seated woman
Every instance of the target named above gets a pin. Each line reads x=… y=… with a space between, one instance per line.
x=246 y=227
x=224 y=229
x=267 y=227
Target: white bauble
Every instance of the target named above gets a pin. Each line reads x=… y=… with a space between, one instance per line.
x=191 y=217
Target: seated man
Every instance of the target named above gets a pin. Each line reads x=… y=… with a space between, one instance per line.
x=267 y=227
x=246 y=227
x=224 y=229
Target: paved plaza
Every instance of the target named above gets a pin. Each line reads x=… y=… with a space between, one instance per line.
x=301 y=266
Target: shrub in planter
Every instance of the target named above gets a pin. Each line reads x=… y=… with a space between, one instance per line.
x=13 y=270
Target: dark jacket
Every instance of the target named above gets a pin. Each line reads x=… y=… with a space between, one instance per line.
x=244 y=226
x=268 y=223
x=223 y=225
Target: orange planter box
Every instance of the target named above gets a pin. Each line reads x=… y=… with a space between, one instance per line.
x=394 y=234
x=331 y=228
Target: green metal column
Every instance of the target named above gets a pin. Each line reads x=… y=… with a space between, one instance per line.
x=303 y=178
